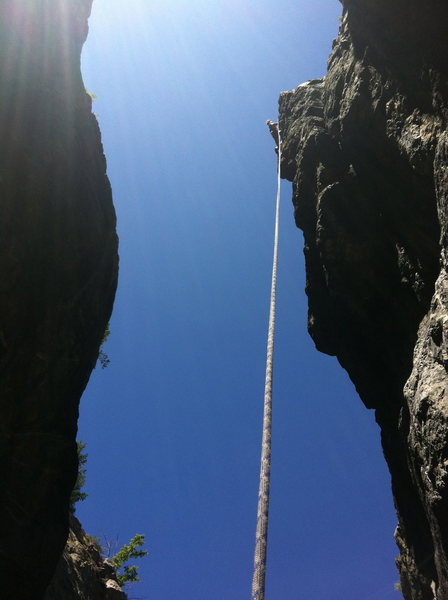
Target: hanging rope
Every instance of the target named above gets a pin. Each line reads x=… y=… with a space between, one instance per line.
x=261 y=537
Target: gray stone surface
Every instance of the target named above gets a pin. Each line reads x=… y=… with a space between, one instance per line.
x=82 y=572
x=366 y=150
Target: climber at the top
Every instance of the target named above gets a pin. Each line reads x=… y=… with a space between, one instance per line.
x=273 y=129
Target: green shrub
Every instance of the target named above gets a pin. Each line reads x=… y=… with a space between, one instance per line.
x=127 y=552
x=102 y=356
x=77 y=494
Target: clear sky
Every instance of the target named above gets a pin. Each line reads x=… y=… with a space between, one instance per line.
x=173 y=425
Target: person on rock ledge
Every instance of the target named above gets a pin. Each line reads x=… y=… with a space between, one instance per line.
x=273 y=130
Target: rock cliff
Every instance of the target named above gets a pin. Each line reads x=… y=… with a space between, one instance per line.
x=82 y=573
x=366 y=148
x=58 y=265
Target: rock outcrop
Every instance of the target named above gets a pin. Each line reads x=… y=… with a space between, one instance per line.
x=58 y=265
x=82 y=572
x=366 y=148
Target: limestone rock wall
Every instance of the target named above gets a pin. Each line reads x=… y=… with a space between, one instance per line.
x=366 y=149
x=58 y=266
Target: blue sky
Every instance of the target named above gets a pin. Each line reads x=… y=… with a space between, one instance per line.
x=173 y=425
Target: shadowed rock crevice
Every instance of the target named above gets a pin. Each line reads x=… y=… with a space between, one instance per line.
x=365 y=148
x=58 y=264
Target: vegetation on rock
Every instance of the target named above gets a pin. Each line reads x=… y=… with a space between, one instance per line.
x=102 y=356
x=77 y=494
x=127 y=552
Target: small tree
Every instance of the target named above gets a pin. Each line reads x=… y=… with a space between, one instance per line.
x=102 y=356
x=77 y=494
x=127 y=552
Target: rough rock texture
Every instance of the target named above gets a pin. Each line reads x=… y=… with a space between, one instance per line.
x=82 y=573
x=366 y=149
x=58 y=265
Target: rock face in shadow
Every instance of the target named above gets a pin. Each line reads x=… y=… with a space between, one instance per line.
x=58 y=265
x=82 y=572
x=366 y=149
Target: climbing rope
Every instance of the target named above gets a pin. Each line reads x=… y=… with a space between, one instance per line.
x=261 y=536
